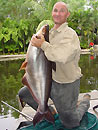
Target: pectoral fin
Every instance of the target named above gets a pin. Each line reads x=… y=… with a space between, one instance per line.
x=23 y=66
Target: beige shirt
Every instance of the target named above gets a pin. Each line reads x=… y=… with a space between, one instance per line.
x=64 y=49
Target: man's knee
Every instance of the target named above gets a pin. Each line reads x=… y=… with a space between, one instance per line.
x=25 y=96
x=23 y=92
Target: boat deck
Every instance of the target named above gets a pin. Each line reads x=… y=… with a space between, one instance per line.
x=31 y=112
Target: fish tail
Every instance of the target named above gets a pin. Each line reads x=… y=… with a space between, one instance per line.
x=40 y=116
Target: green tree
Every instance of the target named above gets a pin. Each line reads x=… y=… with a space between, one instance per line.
x=19 y=20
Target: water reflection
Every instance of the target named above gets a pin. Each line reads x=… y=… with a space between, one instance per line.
x=89 y=66
x=10 y=83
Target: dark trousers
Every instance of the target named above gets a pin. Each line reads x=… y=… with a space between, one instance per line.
x=64 y=97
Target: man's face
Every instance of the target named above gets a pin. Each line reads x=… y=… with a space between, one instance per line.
x=60 y=13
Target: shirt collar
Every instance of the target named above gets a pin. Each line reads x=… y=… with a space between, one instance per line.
x=60 y=28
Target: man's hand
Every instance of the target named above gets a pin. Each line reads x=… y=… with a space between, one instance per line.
x=37 y=42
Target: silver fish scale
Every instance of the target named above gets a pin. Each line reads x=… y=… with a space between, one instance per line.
x=35 y=58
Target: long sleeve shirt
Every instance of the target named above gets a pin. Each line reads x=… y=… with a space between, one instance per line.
x=64 y=49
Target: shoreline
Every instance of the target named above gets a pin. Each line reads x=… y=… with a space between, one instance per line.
x=12 y=57
x=23 y=56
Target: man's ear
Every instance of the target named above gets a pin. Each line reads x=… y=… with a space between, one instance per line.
x=68 y=14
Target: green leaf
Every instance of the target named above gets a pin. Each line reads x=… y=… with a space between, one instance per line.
x=49 y=22
x=21 y=44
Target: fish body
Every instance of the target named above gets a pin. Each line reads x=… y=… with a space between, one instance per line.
x=38 y=77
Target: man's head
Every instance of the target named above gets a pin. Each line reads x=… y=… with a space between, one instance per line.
x=60 y=13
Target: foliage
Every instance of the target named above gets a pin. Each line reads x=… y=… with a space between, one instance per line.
x=19 y=20
x=14 y=36
x=16 y=29
x=49 y=22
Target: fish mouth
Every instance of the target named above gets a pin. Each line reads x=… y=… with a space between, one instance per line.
x=44 y=31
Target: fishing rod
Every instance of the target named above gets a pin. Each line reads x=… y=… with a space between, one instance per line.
x=23 y=114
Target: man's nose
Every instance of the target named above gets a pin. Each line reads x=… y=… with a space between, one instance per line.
x=58 y=13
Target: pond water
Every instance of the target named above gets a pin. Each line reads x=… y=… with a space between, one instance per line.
x=10 y=83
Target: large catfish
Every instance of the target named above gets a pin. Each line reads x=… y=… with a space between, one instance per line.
x=38 y=77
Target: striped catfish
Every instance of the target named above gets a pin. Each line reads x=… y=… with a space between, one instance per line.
x=38 y=77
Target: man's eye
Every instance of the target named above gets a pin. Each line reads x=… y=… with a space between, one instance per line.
x=55 y=10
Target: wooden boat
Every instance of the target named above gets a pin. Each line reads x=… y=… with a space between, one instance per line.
x=93 y=102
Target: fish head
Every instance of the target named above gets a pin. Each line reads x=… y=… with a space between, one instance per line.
x=44 y=31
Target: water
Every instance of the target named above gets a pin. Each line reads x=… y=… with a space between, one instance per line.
x=89 y=67
x=10 y=83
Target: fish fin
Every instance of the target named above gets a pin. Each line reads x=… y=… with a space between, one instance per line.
x=39 y=116
x=23 y=66
x=25 y=82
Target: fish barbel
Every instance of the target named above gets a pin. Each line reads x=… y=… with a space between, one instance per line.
x=38 y=77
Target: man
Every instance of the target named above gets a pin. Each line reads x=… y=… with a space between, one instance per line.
x=64 y=50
